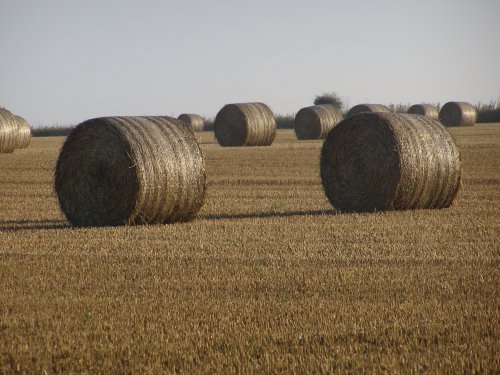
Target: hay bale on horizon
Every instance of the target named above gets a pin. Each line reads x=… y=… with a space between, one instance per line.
x=458 y=114
x=130 y=170
x=428 y=110
x=362 y=108
x=316 y=121
x=23 y=132
x=390 y=161
x=193 y=121
x=8 y=131
x=245 y=124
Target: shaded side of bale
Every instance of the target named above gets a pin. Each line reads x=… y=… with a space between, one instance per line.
x=23 y=132
x=387 y=161
x=245 y=124
x=458 y=114
x=428 y=110
x=193 y=121
x=316 y=121
x=362 y=108
x=130 y=170
x=8 y=131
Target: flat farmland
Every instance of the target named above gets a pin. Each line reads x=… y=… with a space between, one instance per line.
x=268 y=278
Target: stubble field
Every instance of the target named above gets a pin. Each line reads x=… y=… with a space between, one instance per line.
x=267 y=279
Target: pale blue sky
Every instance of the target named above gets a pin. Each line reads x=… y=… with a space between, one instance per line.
x=64 y=61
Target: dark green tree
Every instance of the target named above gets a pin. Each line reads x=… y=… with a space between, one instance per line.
x=329 y=98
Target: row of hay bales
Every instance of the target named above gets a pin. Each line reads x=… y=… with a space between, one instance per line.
x=146 y=170
x=253 y=124
x=451 y=114
x=15 y=132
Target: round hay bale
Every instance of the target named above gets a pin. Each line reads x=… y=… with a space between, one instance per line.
x=23 y=132
x=362 y=108
x=458 y=114
x=130 y=170
x=389 y=161
x=316 y=121
x=8 y=131
x=245 y=124
x=428 y=110
x=193 y=121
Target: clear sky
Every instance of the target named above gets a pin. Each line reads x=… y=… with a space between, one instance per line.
x=65 y=61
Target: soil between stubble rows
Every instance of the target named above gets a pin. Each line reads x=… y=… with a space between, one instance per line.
x=268 y=279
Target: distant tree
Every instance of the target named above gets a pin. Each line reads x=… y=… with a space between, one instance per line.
x=329 y=98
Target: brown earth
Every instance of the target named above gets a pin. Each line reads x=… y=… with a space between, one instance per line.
x=268 y=279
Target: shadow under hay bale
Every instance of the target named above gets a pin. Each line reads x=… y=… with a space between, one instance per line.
x=458 y=114
x=428 y=110
x=316 y=121
x=193 y=121
x=23 y=132
x=388 y=161
x=8 y=131
x=245 y=124
x=362 y=108
x=130 y=170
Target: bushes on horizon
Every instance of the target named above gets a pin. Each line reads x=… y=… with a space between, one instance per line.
x=488 y=112
x=52 y=131
x=329 y=98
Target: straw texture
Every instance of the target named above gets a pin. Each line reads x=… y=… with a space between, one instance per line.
x=458 y=114
x=23 y=132
x=130 y=170
x=362 y=108
x=193 y=121
x=245 y=124
x=428 y=110
x=388 y=161
x=8 y=131
x=316 y=121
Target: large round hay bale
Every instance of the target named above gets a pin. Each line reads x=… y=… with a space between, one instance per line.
x=23 y=132
x=130 y=170
x=458 y=114
x=245 y=124
x=428 y=110
x=362 y=108
x=316 y=121
x=193 y=121
x=8 y=131
x=389 y=161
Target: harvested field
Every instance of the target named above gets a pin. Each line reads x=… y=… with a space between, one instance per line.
x=267 y=279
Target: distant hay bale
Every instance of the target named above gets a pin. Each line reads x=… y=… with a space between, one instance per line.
x=362 y=108
x=428 y=110
x=458 y=114
x=130 y=170
x=193 y=121
x=8 y=131
x=245 y=124
x=23 y=132
x=390 y=161
x=316 y=121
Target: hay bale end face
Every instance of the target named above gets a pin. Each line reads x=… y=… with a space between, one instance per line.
x=23 y=132
x=362 y=108
x=130 y=170
x=193 y=121
x=388 y=161
x=316 y=121
x=428 y=110
x=8 y=131
x=458 y=114
x=245 y=124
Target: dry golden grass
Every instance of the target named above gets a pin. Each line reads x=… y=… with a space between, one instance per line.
x=268 y=279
